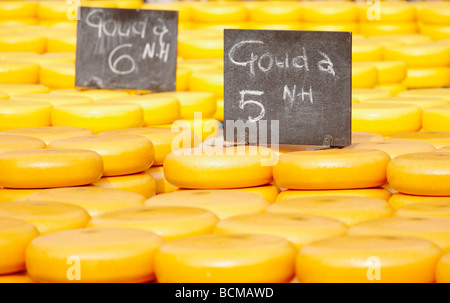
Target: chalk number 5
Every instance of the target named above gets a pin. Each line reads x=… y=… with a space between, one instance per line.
x=243 y=103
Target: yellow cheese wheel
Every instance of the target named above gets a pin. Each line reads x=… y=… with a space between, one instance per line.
x=128 y=4
x=47 y=58
x=93 y=199
x=269 y=192
x=94 y=94
x=141 y=183
x=427 y=77
x=58 y=75
x=4 y=96
x=422 y=102
x=12 y=142
x=103 y=255
x=15 y=235
x=12 y=194
x=223 y=258
x=184 y=9
x=436 y=32
x=162 y=186
x=386 y=119
x=16 y=72
x=22 y=42
x=363 y=51
x=157 y=109
x=46 y=216
x=389 y=12
x=368 y=259
x=50 y=133
x=169 y=222
x=377 y=193
x=218 y=12
x=348 y=209
x=435 y=13
x=201 y=47
x=422 y=55
x=364 y=94
x=232 y=167
x=398 y=40
x=53 y=99
x=426 y=174
x=331 y=26
x=193 y=102
x=61 y=43
x=364 y=75
x=203 y=129
x=358 y=137
x=275 y=26
x=389 y=71
x=438 y=139
x=426 y=209
x=21 y=277
x=399 y=200
x=201 y=64
x=431 y=92
x=395 y=148
x=299 y=229
x=99 y=3
x=394 y=88
x=122 y=154
x=207 y=80
x=330 y=12
x=276 y=12
x=21 y=114
x=223 y=203
x=443 y=269
x=331 y=169
x=437 y=118
x=369 y=29
x=435 y=229
x=98 y=117
x=52 y=10
x=20 y=89
x=182 y=79
x=17 y=9
x=165 y=140
x=45 y=168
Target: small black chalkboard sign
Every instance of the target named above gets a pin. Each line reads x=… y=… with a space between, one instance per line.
x=126 y=49
x=287 y=87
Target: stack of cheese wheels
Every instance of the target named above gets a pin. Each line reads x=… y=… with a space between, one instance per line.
x=275 y=15
x=125 y=159
x=192 y=102
x=200 y=44
x=223 y=203
x=348 y=209
x=13 y=142
x=94 y=200
x=169 y=222
x=93 y=255
x=437 y=118
x=392 y=18
x=46 y=216
x=236 y=258
x=210 y=80
x=364 y=75
x=15 y=236
x=299 y=229
x=434 y=229
x=58 y=75
x=20 y=114
x=389 y=72
x=164 y=140
x=18 y=72
x=425 y=174
x=434 y=18
x=368 y=259
x=47 y=168
x=427 y=64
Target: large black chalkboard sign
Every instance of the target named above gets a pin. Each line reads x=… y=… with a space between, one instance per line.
x=298 y=80
x=126 y=48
